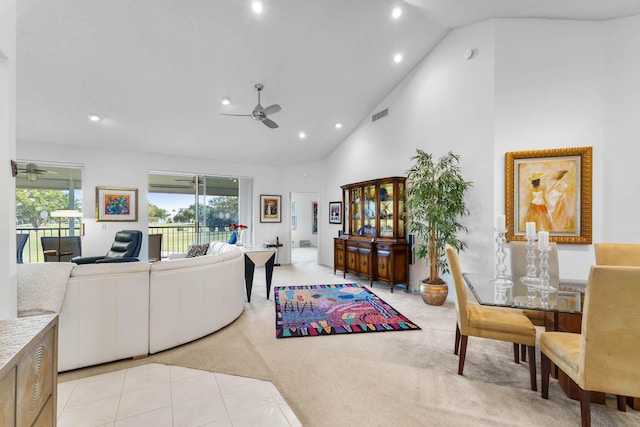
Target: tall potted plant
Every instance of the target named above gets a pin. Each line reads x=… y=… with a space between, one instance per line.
x=435 y=205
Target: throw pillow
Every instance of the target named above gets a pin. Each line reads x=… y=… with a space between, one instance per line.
x=197 y=250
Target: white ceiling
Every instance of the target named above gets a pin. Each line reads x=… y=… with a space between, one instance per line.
x=155 y=70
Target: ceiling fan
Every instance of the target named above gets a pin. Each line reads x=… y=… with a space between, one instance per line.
x=260 y=113
x=32 y=171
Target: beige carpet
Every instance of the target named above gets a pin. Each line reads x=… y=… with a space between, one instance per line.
x=388 y=379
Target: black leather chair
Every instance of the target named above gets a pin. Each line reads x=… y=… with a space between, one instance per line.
x=125 y=248
x=21 y=241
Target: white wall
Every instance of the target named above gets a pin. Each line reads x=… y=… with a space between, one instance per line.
x=446 y=103
x=620 y=184
x=531 y=84
x=7 y=153
x=130 y=169
x=549 y=93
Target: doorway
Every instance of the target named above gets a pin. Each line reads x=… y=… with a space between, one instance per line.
x=304 y=228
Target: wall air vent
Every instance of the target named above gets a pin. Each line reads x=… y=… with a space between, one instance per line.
x=381 y=114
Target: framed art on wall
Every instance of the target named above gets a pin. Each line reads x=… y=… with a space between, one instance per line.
x=116 y=204
x=314 y=217
x=335 y=212
x=551 y=188
x=270 y=210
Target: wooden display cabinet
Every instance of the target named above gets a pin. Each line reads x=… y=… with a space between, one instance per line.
x=373 y=244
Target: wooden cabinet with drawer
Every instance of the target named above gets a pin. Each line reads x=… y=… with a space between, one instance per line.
x=28 y=371
x=373 y=244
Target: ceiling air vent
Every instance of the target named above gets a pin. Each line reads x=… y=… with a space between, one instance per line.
x=381 y=114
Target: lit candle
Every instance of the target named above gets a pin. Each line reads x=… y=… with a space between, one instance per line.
x=543 y=240
x=501 y=226
x=531 y=231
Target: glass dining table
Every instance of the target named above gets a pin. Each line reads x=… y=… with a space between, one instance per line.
x=564 y=296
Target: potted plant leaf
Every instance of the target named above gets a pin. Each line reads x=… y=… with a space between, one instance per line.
x=435 y=205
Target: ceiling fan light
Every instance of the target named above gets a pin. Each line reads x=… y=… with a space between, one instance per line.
x=396 y=12
x=397 y=58
x=302 y=135
x=225 y=100
x=338 y=125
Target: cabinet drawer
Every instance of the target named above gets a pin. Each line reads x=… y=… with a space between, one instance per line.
x=35 y=380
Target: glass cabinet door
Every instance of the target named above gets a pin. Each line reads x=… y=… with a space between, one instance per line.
x=401 y=208
x=370 y=214
x=386 y=210
x=346 y=218
x=356 y=210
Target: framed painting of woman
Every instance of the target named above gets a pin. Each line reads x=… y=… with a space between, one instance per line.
x=551 y=188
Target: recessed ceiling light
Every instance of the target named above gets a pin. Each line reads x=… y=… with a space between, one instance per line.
x=338 y=125
x=94 y=117
x=397 y=11
x=302 y=135
x=225 y=101
x=397 y=58
x=256 y=6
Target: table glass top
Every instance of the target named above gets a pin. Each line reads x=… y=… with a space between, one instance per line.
x=564 y=296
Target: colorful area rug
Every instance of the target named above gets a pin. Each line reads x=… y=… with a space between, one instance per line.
x=334 y=309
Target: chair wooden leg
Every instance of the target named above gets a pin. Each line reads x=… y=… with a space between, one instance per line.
x=523 y=353
x=622 y=403
x=585 y=407
x=516 y=353
x=457 y=345
x=545 y=369
x=463 y=353
x=532 y=367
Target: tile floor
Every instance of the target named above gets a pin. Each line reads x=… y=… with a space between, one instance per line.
x=162 y=395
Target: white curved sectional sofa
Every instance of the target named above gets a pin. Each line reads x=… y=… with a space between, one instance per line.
x=121 y=310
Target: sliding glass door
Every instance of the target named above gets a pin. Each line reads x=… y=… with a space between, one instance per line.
x=188 y=209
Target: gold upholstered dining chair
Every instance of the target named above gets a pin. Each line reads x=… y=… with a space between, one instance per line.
x=617 y=254
x=604 y=356
x=503 y=324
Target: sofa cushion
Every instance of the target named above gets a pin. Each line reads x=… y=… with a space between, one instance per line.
x=197 y=250
x=185 y=262
x=216 y=247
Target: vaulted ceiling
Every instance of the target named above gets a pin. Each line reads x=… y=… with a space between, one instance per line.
x=156 y=70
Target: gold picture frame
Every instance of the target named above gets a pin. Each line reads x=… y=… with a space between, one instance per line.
x=552 y=188
x=116 y=204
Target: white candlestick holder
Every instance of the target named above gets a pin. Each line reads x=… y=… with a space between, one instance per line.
x=544 y=287
x=501 y=281
x=531 y=280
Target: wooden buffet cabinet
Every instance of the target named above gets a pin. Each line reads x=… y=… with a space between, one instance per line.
x=373 y=243
x=28 y=371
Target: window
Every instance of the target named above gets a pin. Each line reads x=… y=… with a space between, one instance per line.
x=41 y=189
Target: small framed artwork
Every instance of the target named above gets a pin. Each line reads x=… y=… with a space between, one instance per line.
x=314 y=217
x=116 y=204
x=270 y=208
x=335 y=212
x=551 y=188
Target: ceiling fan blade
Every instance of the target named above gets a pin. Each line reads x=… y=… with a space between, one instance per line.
x=270 y=123
x=271 y=109
x=239 y=115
